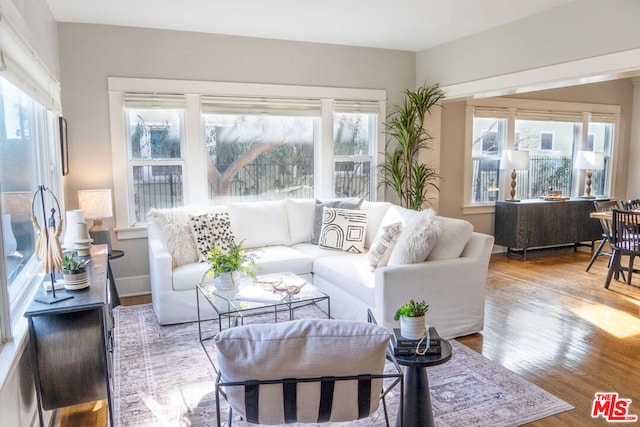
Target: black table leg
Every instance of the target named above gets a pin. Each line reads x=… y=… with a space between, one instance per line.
x=417 y=398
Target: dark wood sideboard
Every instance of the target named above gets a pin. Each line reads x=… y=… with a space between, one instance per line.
x=71 y=342
x=539 y=223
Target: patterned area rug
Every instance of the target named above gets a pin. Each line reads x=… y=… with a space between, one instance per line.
x=164 y=378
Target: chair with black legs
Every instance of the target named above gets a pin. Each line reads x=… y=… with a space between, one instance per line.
x=625 y=240
x=604 y=206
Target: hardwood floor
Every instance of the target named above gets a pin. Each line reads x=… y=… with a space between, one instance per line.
x=550 y=322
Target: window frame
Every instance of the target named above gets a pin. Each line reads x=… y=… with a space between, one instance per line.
x=509 y=108
x=195 y=174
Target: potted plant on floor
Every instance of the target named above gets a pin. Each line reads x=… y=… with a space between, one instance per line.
x=402 y=170
x=412 y=316
x=227 y=265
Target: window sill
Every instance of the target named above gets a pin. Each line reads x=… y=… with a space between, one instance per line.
x=137 y=232
x=479 y=209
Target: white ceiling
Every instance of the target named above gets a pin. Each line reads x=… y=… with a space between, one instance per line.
x=411 y=25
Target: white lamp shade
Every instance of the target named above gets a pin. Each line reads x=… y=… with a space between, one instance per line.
x=514 y=159
x=95 y=204
x=589 y=160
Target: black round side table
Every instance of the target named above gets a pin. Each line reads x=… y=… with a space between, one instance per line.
x=115 y=297
x=417 y=397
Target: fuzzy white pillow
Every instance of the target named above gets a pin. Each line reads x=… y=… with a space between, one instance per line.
x=418 y=238
x=175 y=227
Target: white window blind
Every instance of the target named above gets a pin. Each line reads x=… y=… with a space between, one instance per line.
x=22 y=66
x=363 y=107
x=263 y=106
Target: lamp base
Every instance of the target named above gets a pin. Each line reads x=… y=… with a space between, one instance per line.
x=101 y=237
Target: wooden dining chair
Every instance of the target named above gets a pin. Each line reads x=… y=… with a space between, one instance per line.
x=604 y=206
x=631 y=204
x=625 y=240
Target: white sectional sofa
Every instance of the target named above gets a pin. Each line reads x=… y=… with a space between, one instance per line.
x=451 y=279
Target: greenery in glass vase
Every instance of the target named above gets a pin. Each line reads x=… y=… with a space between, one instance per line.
x=402 y=170
x=412 y=309
x=235 y=258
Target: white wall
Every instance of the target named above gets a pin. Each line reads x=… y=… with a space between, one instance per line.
x=89 y=54
x=583 y=30
x=17 y=393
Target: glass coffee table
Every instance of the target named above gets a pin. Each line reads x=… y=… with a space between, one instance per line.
x=252 y=298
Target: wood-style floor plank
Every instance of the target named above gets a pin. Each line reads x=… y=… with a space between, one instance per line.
x=548 y=321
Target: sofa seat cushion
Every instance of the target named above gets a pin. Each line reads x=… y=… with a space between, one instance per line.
x=186 y=276
x=349 y=272
x=276 y=259
x=314 y=251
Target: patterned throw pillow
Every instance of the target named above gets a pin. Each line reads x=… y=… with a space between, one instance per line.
x=208 y=229
x=343 y=229
x=346 y=203
x=381 y=248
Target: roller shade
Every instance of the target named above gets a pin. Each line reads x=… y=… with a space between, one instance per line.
x=364 y=107
x=263 y=106
x=141 y=100
x=22 y=66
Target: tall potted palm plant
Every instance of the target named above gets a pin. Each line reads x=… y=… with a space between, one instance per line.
x=402 y=171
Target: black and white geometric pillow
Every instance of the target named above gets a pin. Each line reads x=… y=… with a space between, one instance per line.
x=343 y=229
x=211 y=228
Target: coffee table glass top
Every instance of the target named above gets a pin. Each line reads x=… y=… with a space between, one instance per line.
x=261 y=293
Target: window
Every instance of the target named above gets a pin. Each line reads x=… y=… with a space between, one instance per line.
x=27 y=153
x=154 y=144
x=229 y=142
x=551 y=132
x=354 y=142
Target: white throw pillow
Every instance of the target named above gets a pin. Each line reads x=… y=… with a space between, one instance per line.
x=175 y=230
x=258 y=224
x=298 y=349
x=417 y=239
x=382 y=248
x=375 y=214
x=348 y=203
x=210 y=229
x=343 y=229
x=453 y=238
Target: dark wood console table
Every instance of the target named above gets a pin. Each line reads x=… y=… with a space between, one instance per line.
x=538 y=223
x=71 y=343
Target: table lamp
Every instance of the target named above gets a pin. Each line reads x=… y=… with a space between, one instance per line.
x=589 y=161
x=514 y=160
x=96 y=205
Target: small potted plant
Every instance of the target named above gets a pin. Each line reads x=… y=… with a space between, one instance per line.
x=412 y=316
x=228 y=265
x=74 y=271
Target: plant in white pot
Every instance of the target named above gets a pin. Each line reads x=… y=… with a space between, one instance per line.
x=412 y=316
x=74 y=271
x=227 y=265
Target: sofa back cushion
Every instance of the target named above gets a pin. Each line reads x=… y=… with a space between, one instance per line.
x=454 y=235
x=300 y=213
x=258 y=224
x=302 y=349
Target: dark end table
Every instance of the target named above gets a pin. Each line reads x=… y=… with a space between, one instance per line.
x=115 y=297
x=417 y=397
